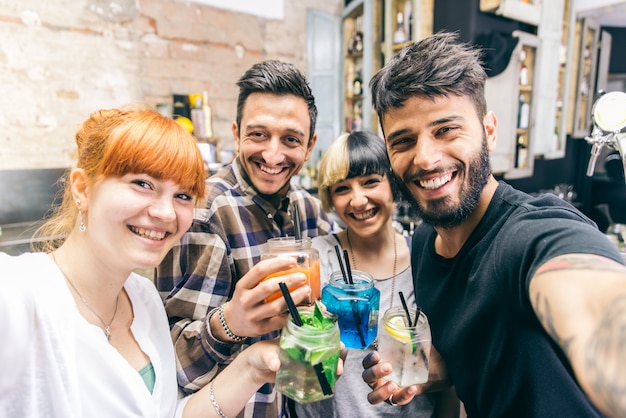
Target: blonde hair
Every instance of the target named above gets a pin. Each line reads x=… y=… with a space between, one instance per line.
x=116 y=142
x=334 y=167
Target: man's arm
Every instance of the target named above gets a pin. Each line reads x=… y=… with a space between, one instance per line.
x=187 y=281
x=580 y=300
x=200 y=281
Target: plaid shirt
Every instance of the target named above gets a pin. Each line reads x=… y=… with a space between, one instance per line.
x=225 y=240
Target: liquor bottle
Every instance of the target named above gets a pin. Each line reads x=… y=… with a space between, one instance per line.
x=208 y=115
x=358 y=36
x=357 y=121
x=399 y=36
x=408 y=16
x=523 y=113
x=197 y=118
x=350 y=74
x=521 y=153
x=523 y=69
x=357 y=84
x=352 y=43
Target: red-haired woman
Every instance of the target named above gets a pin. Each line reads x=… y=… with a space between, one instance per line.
x=86 y=335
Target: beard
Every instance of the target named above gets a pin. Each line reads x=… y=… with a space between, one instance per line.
x=442 y=213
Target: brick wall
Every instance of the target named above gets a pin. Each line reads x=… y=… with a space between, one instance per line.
x=60 y=60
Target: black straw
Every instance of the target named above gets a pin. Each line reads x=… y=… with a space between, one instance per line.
x=296 y=222
x=357 y=322
x=348 y=269
x=417 y=314
x=319 y=370
x=406 y=310
x=343 y=270
x=290 y=304
x=347 y=278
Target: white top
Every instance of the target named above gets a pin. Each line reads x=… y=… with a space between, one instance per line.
x=56 y=364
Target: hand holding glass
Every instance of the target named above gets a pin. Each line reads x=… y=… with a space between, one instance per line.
x=406 y=347
x=307 y=259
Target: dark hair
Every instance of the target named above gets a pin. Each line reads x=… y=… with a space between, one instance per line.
x=438 y=65
x=275 y=77
x=354 y=154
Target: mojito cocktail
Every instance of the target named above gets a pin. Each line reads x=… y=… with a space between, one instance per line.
x=308 y=356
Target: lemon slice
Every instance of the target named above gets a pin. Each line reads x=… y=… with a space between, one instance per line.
x=399 y=334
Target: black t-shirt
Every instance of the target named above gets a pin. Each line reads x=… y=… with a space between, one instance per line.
x=501 y=360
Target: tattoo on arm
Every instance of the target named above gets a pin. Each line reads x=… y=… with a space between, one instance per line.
x=605 y=357
x=590 y=262
x=544 y=313
x=604 y=354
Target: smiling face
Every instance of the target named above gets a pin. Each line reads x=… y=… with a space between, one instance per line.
x=364 y=203
x=273 y=140
x=440 y=149
x=134 y=220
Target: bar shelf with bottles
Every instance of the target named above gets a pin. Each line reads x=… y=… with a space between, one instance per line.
x=402 y=13
x=353 y=68
x=372 y=31
x=555 y=148
x=405 y=21
x=586 y=42
x=522 y=145
x=517 y=112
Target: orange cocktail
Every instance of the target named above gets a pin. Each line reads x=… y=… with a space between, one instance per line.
x=308 y=263
x=312 y=273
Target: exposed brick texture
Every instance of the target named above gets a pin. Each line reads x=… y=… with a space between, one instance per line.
x=59 y=61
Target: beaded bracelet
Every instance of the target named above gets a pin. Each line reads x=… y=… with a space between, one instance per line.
x=214 y=402
x=230 y=334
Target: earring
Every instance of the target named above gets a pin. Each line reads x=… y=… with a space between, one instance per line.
x=82 y=226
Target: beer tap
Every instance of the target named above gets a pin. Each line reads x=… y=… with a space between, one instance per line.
x=609 y=123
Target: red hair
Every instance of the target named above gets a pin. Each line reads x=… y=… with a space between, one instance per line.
x=133 y=140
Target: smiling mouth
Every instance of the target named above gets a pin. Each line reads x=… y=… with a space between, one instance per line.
x=149 y=234
x=270 y=170
x=364 y=215
x=436 y=183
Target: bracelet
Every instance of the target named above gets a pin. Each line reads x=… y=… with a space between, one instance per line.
x=230 y=334
x=214 y=402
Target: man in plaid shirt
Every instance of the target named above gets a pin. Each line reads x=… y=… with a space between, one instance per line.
x=209 y=281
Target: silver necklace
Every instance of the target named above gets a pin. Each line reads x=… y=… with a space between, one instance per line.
x=395 y=263
x=107 y=327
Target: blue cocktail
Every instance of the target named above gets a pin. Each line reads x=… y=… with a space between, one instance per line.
x=356 y=306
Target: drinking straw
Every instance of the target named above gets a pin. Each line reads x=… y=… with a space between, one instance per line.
x=297 y=232
x=296 y=222
x=417 y=314
x=348 y=279
x=406 y=310
x=343 y=270
x=348 y=269
x=293 y=311
x=357 y=322
x=290 y=304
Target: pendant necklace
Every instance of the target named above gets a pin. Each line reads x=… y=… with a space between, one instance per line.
x=395 y=263
x=107 y=327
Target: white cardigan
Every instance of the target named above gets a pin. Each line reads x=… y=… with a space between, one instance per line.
x=56 y=364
